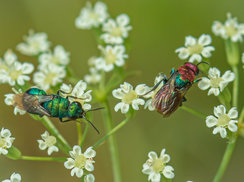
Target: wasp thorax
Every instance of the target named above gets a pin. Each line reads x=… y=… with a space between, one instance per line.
x=223 y=120
x=116 y=32
x=195 y=49
x=129 y=97
x=110 y=57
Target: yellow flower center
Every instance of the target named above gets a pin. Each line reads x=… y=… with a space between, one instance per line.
x=195 y=49
x=15 y=74
x=80 y=161
x=49 y=78
x=215 y=82
x=50 y=141
x=231 y=30
x=55 y=60
x=110 y=57
x=94 y=16
x=158 y=165
x=34 y=44
x=223 y=120
x=116 y=32
x=2 y=143
x=129 y=97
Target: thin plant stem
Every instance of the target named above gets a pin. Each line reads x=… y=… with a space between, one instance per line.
x=112 y=143
x=226 y=158
x=235 y=86
x=115 y=129
x=192 y=111
x=34 y=158
x=84 y=135
x=79 y=132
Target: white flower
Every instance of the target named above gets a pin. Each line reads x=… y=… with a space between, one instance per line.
x=112 y=55
x=49 y=75
x=215 y=81
x=9 y=100
x=92 y=17
x=94 y=76
x=89 y=178
x=151 y=94
x=34 y=44
x=15 y=177
x=80 y=161
x=230 y=29
x=116 y=30
x=129 y=97
x=222 y=121
x=155 y=166
x=79 y=93
x=59 y=56
x=5 y=141
x=48 y=142
x=12 y=71
x=196 y=48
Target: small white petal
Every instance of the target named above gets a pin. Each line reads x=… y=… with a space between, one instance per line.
x=219 y=110
x=90 y=153
x=204 y=84
x=89 y=166
x=233 y=113
x=232 y=127
x=152 y=155
x=211 y=121
x=168 y=172
x=204 y=40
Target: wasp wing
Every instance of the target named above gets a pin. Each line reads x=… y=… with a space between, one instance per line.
x=169 y=98
x=32 y=103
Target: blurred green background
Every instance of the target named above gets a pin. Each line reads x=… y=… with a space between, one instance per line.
x=159 y=27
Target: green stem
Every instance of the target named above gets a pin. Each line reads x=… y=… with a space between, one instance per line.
x=34 y=158
x=79 y=132
x=54 y=131
x=192 y=111
x=116 y=128
x=235 y=86
x=84 y=134
x=226 y=158
x=112 y=143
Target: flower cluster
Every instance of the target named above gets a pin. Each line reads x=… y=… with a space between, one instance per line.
x=196 y=49
x=15 y=177
x=5 y=141
x=113 y=33
x=222 y=121
x=48 y=142
x=215 y=81
x=35 y=43
x=12 y=71
x=81 y=161
x=231 y=29
x=156 y=166
x=129 y=96
x=78 y=93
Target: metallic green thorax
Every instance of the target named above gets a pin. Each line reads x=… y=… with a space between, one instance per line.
x=36 y=91
x=180 y=82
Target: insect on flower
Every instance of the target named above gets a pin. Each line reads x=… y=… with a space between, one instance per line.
x=171 y=95
x=37 y=101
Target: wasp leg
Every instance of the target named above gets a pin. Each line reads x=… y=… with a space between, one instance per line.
x=184 y=99
x=69 y=96
x=156 y=86
x=195 y=81
x=61 y=120
x=172 y=71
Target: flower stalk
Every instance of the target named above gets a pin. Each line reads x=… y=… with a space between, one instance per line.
x=34 y=158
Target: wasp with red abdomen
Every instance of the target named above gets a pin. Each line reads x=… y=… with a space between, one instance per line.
x=171 y=95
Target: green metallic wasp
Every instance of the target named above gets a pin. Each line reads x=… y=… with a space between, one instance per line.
x=37 y=101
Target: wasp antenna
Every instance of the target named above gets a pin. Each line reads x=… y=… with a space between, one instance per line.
x=203 y=62
x=91 y=124
x=95 y=109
